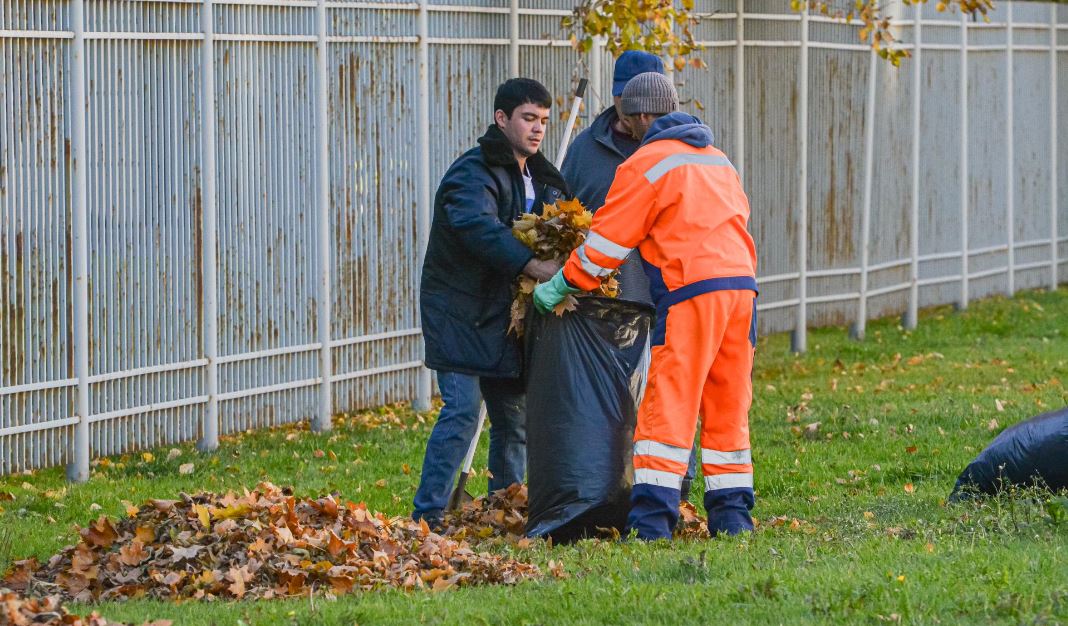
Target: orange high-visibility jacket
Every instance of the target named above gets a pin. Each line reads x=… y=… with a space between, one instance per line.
x=679 y=201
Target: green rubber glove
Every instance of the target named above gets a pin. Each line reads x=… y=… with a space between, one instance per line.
x=551 y=293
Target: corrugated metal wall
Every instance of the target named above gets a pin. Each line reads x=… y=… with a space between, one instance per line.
x=209 y=252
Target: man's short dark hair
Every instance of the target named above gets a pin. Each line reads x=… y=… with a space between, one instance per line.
x=516 y=92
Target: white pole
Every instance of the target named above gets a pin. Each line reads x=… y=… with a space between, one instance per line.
x=513 y=45
x=580 y=91
x=964 y=162
x=78 y=469
x=209 y=436
x=596 y=79
x=800 y=339
x=1010 y=158
x=423 y=392
x=865 y=219
x=912 y=314
x=1053 y=279
x=739 y=91
x=322 y=420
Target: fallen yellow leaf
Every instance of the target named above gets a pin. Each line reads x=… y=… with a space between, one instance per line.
x=203 y=515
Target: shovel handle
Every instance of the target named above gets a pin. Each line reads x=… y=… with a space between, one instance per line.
x=570 y=122
x=465 y=472
x=470 y=457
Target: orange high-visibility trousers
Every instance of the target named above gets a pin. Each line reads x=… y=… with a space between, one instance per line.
x=703 y=367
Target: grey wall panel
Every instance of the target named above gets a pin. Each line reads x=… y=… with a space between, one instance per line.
x=463 y=80
x=838 y=88
x=891 y=209
x=987 y=136
x=709 y=95
x=940 y=133
x=35 y=261
x=345 y=22
x=35 y=15
x=1062 y=145
x=142 y=17
x=771 y=129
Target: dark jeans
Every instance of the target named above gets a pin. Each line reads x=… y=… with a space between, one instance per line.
x=454 y=429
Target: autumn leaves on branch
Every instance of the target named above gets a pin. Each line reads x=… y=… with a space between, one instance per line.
x=665 y=27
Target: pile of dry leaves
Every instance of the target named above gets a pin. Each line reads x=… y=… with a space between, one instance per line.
x=262 y=544
x=21 y=611
x=501 y=514
x=552 y=236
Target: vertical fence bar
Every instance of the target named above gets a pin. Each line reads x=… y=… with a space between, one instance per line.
x=912 y=314
x=423 y=391
x=513 y=44
x=964 y=269
x=78 y=469
x=1010 y=156
x=865 y=219
x=209 y=434
x=799 y=340
x=1053 y=279
x=739 y=90
x=324 y=310
x=596 y=79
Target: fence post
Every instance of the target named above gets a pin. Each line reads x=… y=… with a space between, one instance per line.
x=324 y=310
x=209 y=435
x=964 y=162
x=865 y=219
x=78 y=469
x=799 y=339
x=739 y=90
x=1010 y=157
x=596 y=80
x=422 y=221
x=1053 y=280
x=912 y=314
x=513 y=44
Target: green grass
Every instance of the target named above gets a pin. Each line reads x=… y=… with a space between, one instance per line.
x=875 y=540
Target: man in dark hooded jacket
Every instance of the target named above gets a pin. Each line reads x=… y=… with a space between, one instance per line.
x=471 y=263
x=595 y=154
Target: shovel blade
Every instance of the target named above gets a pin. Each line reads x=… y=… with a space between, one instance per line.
x=459 y=496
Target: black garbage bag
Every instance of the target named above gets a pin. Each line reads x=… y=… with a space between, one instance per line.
x=585 y=371
x=1031 y=453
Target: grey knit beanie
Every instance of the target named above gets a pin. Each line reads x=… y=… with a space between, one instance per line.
x=649 y=93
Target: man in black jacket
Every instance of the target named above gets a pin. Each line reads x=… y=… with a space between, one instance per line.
x=471 y=262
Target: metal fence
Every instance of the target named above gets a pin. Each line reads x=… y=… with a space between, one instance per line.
x=212 y=209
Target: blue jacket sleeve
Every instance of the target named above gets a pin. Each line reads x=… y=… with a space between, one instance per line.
x=471 y=209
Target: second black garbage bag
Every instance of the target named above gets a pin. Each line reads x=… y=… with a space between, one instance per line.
x=1031 y=453
x=585 y=371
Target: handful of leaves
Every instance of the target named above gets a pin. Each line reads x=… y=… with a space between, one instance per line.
x=552 y=236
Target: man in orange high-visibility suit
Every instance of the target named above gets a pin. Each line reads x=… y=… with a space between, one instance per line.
x=679 y=201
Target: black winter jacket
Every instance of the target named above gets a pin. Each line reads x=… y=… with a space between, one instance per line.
x=472 y=259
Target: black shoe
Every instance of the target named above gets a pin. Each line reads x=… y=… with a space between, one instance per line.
x=434 y=522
